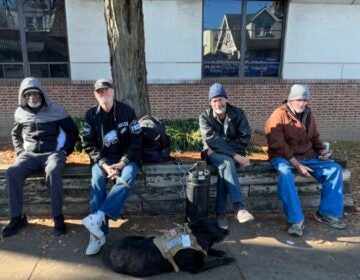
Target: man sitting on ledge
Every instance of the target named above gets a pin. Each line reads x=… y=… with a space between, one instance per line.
x=43 y=135
x=294 y=144
x=112 y=138
x=225 y=135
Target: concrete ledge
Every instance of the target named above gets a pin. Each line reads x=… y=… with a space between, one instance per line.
x=164 y=185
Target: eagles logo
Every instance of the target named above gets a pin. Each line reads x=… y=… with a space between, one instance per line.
x=86 y=128
x=135 y=127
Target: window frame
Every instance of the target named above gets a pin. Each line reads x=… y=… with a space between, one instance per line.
x=243 y=48
x=23 y=44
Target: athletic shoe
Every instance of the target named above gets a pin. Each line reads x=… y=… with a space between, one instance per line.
x=95 y=245
x=14 y=225
x=334 y=222
x=243 y=216
x=296 y=229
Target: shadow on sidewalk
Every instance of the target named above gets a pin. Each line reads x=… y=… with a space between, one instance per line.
x=259 y=246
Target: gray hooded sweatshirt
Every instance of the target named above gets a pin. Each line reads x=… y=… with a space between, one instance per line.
x=40 y=131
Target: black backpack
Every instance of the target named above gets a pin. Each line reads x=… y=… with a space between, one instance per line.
x=155 y=143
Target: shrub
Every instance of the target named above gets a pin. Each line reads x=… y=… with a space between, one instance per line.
x=185 y=136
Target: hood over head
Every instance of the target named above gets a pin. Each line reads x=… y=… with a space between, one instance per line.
x=31 y=83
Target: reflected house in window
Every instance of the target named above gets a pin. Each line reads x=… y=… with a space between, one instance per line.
x=229 y=39
x=264 y=25
x=263 y=32
x=263 y=45
x=263 y=41
x=210 y=39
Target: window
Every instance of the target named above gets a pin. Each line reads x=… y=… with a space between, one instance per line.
x=242 y=38
x=33 y=39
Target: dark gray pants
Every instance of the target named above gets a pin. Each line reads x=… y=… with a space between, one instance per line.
x=28 y=163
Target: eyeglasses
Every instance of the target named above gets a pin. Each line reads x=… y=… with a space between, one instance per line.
x=29 y=93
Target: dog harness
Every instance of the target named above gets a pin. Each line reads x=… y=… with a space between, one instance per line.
x=175 y=240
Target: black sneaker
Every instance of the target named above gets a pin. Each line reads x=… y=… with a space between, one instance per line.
x=59 y=226
x=14 y=225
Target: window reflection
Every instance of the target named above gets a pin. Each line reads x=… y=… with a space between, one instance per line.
x=263 y=44
x=13 y=71
x=8 y=14
x=46 y=33
x=43 y=47
x=44 y=15
x=49 y=70
x=45 y=37
x=223 y=36
x=10 y=48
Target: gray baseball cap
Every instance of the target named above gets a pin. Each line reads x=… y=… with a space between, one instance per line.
x=103 y=83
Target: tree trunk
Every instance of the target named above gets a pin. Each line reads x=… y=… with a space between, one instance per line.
x=125 y=29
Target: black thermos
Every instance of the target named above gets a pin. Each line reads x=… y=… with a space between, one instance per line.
x=197 y=192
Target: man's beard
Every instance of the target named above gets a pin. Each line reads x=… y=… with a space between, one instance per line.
x=34 y=104
x=299 y=110
x=294 y=110
x=221 y=110
x=106 y=100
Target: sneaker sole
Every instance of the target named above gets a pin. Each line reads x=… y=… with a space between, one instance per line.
x=95 y=231
x=295 y=233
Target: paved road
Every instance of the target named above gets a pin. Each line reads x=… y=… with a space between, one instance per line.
x=262 y=249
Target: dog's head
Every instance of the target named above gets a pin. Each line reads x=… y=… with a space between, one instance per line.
x=207 y=233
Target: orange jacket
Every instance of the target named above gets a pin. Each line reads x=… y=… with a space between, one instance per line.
x=287 y=137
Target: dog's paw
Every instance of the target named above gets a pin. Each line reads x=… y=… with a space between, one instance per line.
x=216 y=253
x=227 y=260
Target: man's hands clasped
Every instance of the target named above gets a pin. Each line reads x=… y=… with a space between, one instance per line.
x=113 y=170
x=243 y=161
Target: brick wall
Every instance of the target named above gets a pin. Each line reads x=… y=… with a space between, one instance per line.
x=336 y=103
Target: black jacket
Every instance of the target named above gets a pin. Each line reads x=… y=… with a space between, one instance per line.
x=128 y=133
x=47 y=130
x=230 y=140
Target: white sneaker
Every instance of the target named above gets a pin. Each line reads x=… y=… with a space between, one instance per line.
x=93 y=223
x=95 y=245
x=244 y=216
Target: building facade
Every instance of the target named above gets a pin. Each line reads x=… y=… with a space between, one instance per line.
x=257 y=49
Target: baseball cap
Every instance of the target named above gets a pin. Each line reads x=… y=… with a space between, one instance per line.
x=28 y=90
x=103 y=83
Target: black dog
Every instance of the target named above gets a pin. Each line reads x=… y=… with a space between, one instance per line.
x=139 y=256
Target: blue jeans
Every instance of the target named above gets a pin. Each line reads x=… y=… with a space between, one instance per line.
x=227 y=182
x=112 y=203
x=328 y=173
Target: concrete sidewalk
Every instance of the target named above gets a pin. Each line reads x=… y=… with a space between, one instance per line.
x=262 y=249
